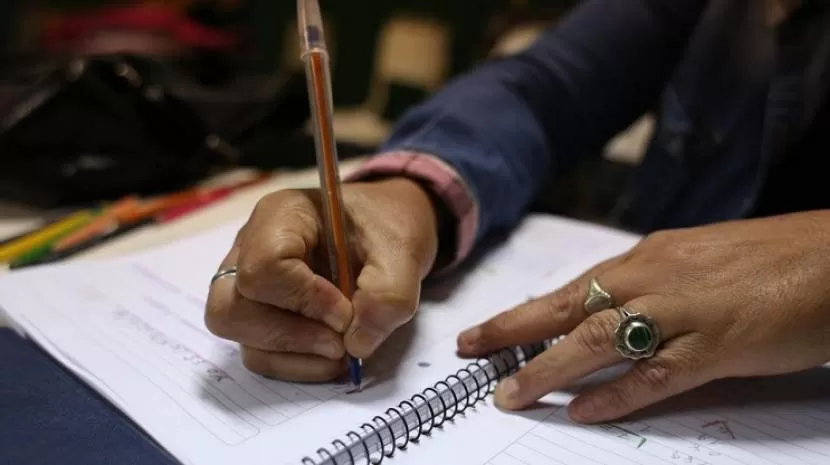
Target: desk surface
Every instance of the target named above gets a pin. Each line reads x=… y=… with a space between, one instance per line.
x=15 y=219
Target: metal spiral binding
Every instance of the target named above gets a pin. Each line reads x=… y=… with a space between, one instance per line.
x=419 y=415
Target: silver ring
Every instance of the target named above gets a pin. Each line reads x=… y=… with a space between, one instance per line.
x=223 y=273
x=597 y=299
x=637 y=336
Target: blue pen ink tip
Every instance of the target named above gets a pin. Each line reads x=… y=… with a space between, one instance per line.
x=355 y=372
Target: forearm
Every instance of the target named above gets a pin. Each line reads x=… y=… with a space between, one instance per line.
x=501 y=131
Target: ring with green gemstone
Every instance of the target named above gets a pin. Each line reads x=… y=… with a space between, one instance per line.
x=637 y=335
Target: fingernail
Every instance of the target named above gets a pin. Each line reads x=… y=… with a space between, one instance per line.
x=335 y=321
x=586 y=409
x=366 y=340
x=328 y=349
x=469 y=339
x=338 y=317
x=507 y=392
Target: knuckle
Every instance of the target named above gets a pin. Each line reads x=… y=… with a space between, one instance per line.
x=685 y=250
x=267 y=205
x=411 y=239
x=251 y=275
x=291 y=205
x=681 y=251
x=620 y=397
x=237 y=238
x=285 y=244
x=274 y=200
x=542 y=370
x=572 y=295
x=657 y=247
x=262 y=204
x=656 y=243
x=271 y=270
x=595 y=336
x=561 y=304
x=655 y=373
x=280 y=340
x=658 y=238
x=293 y=294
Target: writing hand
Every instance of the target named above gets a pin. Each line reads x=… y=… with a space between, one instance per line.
x=294 y=324
x=741 y=298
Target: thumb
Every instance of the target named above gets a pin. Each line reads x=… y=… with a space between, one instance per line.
x=387 y=297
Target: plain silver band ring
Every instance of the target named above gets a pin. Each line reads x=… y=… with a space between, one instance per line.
x=223 y=273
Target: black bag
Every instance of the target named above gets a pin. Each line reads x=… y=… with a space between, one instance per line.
x=84 y=130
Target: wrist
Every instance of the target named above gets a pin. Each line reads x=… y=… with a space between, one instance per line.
x=454 y=207
x=442 y=223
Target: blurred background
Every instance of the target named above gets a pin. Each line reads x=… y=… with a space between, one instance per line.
x=103 y=98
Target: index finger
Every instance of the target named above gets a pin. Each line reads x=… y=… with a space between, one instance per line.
x=589 y=348
x=272 y=263
x=540 y=318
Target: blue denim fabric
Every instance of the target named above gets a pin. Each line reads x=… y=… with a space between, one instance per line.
x=49 y=417
x=728 y=90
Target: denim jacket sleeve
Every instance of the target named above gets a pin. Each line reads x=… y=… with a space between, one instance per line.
x=515 y=122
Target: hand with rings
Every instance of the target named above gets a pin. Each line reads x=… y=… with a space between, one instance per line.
x=689 y=306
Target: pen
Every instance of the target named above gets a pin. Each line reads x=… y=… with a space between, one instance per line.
x=318 y=78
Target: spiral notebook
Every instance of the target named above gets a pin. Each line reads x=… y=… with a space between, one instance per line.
x=133 y=330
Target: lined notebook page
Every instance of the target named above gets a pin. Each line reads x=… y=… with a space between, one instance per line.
x=782 y=420
x=789 y=423
x=133 y=328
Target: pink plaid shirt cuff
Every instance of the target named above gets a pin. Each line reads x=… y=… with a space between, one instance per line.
x=444 y=181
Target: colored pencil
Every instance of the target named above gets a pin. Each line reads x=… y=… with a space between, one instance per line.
x=15 y=248
x=57 y=255
x=103 y=223
x=193 y=206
